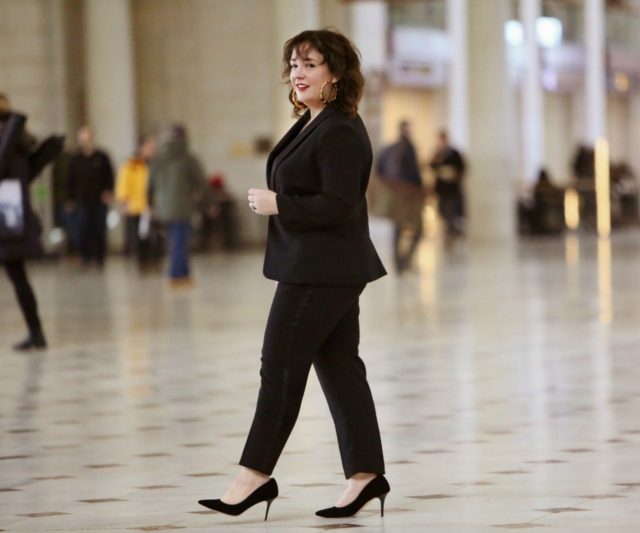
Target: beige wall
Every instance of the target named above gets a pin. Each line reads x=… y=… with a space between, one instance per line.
x=206 y=63
x=634 y=132
x=41 y=66
x=335 y=14
x=25 y=55
x=73 y=96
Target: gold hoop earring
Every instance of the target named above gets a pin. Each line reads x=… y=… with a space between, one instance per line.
x=335 y=93
x=294 y=101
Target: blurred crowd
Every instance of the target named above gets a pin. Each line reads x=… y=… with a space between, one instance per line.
x=544 y=212
x=160 y=194
x=159 y=197
x=401 y=190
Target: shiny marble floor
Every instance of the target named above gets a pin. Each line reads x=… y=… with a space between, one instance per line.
x=506 y=385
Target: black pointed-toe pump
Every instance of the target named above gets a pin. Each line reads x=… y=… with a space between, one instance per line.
x=265 y=493
x=378 y=487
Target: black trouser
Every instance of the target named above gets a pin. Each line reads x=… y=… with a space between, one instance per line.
x=93 y=232
x=451 y=210
x=24 y=293
x=314 y=325
x=131 y=236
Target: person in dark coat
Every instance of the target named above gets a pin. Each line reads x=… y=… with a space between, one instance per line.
x=20 y=163
x=583 y=167
x=397 y=167
x=320 y=253
x=91 y=182
x=448 y=167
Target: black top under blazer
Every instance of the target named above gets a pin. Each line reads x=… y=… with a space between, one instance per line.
x=321 y=232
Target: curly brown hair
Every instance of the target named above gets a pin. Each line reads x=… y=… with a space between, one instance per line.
x=342 y=58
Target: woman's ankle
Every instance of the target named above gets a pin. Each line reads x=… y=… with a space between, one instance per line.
x=362 y=476
x=250 y=476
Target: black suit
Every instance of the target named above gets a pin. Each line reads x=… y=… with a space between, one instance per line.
x=321 y=232
x=319 y=250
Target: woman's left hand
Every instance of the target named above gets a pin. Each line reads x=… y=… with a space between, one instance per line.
x=263 y=202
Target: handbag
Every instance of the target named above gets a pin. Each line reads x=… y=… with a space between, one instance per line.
x=11 y=209
x=11 y=198
x=379 y=198
x=144 y=225
x=399 y=201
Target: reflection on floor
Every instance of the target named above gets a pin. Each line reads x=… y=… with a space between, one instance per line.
x=506 y=384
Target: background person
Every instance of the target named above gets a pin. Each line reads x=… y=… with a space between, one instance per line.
x=448 y=168
x=20 y=163
x=132 y=193
x=90 y=192
x=176 y=187
x=397 y=167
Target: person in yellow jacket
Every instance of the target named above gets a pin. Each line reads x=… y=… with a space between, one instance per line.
x=132 y=192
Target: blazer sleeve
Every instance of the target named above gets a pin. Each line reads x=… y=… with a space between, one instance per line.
x=45 y=154
x=340 y=157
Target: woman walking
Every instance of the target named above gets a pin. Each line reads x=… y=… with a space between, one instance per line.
x=20 y=228
x=320 y=253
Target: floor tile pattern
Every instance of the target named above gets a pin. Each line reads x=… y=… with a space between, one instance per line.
x=506 y=383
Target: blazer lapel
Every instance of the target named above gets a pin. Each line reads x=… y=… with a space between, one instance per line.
x=282 y=143
x=295 y=142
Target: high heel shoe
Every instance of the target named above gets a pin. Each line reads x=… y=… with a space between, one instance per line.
x=378 y=487
x=265 y=493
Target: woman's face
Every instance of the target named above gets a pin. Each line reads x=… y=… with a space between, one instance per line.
x=308 y=74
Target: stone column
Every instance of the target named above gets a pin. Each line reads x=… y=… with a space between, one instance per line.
x=110 y=83
x=490 y=198
x=57 y=71
x=290 y=18
x=634 y=130
x=595 y=75
x=55 y=109
x=369 y=21
x=458 y=101
x=532 y=96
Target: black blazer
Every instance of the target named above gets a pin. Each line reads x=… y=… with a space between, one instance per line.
x=321 y=232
